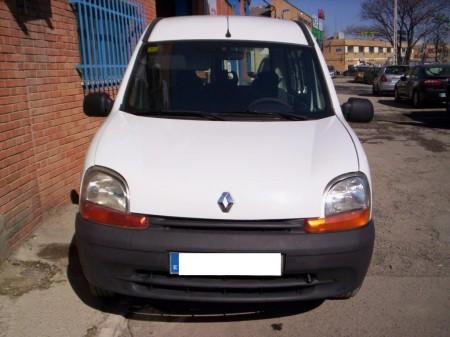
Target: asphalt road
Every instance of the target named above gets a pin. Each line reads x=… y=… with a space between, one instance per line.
x=406 y=292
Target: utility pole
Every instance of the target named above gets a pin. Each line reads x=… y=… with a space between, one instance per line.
x=395 y=32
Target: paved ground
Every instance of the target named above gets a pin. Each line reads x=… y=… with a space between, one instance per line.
x=406 y=293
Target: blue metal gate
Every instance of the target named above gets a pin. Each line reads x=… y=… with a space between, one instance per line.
x=108 y=32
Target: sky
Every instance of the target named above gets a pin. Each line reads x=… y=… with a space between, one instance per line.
x=338 y=13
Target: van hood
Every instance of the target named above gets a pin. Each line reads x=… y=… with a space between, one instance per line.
x=180 y=168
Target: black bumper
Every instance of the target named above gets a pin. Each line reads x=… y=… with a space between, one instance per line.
x=136 y=262
x=434 y=95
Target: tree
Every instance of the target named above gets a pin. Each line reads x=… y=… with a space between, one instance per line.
x=440 y=36
x=415 y=21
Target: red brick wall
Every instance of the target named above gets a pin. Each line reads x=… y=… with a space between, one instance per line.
x=43 y=131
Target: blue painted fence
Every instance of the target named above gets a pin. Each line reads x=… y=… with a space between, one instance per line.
x=108 y=32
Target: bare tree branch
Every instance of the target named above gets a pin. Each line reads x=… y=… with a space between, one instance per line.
x=415 y=20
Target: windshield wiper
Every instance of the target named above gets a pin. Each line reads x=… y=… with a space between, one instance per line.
x=283 y=114
x=219 y=116
x=184 y=113
x=287 y=115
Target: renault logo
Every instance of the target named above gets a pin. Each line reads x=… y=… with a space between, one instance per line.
x=225 y=202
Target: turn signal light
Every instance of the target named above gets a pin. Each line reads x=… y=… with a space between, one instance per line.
x=338 y=222
x=108 y=216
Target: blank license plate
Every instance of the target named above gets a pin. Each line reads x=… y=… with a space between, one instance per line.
x=226 y=264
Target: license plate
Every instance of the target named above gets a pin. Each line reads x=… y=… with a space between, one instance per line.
x=442 y=94
x=226 y=264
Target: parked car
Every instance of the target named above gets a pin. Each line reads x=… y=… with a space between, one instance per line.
x=424 y=83
x=351 y=71
x=332 y=71
x=365 y=74
x=387 y=78
x=448 y=96
x=219 y=188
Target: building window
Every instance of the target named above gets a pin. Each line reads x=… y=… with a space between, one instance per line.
x=389 y=50
x=108 y=32
x=351 y=49
x=371 y=49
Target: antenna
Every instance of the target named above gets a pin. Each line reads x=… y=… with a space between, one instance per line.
x=228 y=34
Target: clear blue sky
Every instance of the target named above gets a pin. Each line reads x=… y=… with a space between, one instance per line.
x=338 y=13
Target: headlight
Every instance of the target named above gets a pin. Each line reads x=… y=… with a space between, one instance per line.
x=346 y=195
x=346 y=203
x=105 y=188
x=104 y=199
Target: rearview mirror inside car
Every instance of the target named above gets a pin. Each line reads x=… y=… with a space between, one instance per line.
x=358 y=110
x=97 y=104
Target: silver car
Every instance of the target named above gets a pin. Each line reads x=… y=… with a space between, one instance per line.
x=332 y=71
x=387 y=78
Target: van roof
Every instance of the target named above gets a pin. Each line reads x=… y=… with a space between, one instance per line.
x=246 y=28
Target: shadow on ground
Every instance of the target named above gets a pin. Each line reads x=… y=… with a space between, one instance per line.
x=406 y=104
x=438 y=118
x=162 y=311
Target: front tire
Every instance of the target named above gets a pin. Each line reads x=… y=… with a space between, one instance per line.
x=396 y=95
x=349 y=294
x=375 y=91
x=416 y=101
x=100 y=292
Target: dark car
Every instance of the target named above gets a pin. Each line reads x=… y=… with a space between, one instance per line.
x=448 y=96
x=424 y=83
x=351 y=71
x=366 y=74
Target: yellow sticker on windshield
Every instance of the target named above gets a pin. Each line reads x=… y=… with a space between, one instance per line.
x=152 y=49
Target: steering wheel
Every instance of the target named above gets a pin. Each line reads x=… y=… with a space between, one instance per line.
x=269 y=102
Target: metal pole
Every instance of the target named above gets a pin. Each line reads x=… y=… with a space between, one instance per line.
x=395 y=32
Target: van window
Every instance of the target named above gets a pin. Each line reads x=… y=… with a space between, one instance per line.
x=233 y=79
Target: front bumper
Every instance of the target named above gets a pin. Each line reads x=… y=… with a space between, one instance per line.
x=136 y=262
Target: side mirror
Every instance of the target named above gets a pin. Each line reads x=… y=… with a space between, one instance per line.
x=403 y=78
x=358 y=110
x=251 y=74
x=97 y=104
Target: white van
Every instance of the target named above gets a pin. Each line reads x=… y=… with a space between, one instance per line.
x=225 y=170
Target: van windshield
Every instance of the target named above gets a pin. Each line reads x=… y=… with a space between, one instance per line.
x=226 y=80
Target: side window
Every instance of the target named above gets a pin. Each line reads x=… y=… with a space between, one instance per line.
x=108 y=32
x=305 y=90
x=296 y=81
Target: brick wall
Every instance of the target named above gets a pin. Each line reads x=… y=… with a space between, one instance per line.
x=286 y=10
x=43 y=131
x=224 y=8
